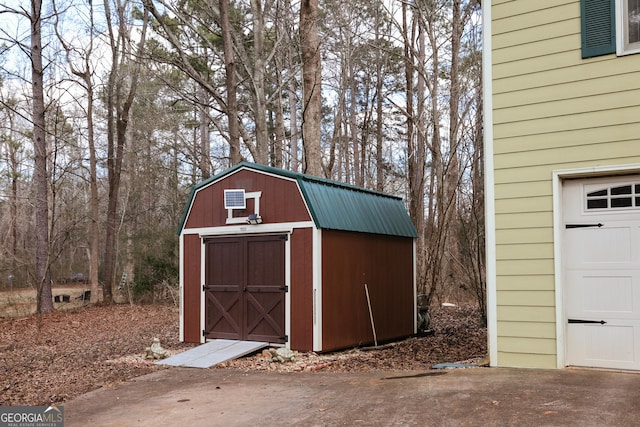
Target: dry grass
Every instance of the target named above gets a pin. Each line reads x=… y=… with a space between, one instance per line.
x=53 y=358
x=22 y=301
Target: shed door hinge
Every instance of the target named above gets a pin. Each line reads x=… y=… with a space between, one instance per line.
x=284 y=289
x=204 y=333
x=285 y=338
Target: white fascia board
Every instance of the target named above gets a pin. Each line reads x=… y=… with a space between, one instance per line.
x=202 y=293
x=489 y=181
x=181 y=282
x=317 y=288
x=287 y=295
x=248 y=229
x=558 y=270
x=415 y=289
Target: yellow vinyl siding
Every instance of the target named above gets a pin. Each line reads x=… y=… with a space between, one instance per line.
x=554 y=156
x=524 y=251
x=538 y=15
x=528 y=299
x=578 y=71
x=619 y=83
x=515 y=190
x=535 y=65
x=524 y=36
x=527 y=360
x=525 y=267
x=573 y=138
x=552 y=111
x=532 y=329
x=536 y=50
x=523 y=220
x=524 y=174
x=515 y=313
x=543 y=282
x=577 y=105
x=569 y=122
x=507 y=8
x=523 y=204
x=529 y=235
x=527 y=345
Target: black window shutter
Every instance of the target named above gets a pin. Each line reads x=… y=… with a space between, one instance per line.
x=598 y=21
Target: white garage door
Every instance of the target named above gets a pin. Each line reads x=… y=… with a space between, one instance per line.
x=601 y=253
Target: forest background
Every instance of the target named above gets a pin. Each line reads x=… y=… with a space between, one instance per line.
x=111 y=111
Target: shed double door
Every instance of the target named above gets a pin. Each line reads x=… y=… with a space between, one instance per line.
x=245 y=288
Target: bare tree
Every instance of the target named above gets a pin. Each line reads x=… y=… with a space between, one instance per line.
x=311 y=86
x=120 y=94
x=79 y=61
x=230 y=80
x=40 y=180
x=11 y=145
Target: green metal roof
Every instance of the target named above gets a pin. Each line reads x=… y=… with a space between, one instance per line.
x=335 y=205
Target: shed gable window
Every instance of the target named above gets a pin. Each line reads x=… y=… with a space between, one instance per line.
x=625 y=196
x=610 y=26
x=236 y=201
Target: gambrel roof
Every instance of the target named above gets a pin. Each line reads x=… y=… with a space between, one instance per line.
x=334 y=205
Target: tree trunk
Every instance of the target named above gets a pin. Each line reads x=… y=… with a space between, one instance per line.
x=12 y=147
x=117 y=138
x=292 y=95
x=205 y=145
x=260 y=100
x=94 y=201
x=230 y=81
x=311 y=86
x=40 y=178
x=279 y=131
x=379 y=97
x=353 y=127
x=415 y=153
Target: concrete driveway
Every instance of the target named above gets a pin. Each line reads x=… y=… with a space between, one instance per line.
x=473 y=397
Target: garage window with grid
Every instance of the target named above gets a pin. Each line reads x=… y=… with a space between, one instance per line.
x=619 y=197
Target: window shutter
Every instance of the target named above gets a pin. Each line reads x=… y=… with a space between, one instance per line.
x=598 y=21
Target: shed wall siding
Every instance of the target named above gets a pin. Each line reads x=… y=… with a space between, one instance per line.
x=302 y=289
x=191 y=288
x=351 y=260
x=552 y=111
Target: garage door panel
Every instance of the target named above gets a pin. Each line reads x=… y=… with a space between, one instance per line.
x=604 y=346
x=604 y=294
x=590 y=247
x=601 y=270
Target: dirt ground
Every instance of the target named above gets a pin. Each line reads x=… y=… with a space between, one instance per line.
x=56 y=357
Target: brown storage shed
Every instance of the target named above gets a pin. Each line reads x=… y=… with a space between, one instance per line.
x=278 y=256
